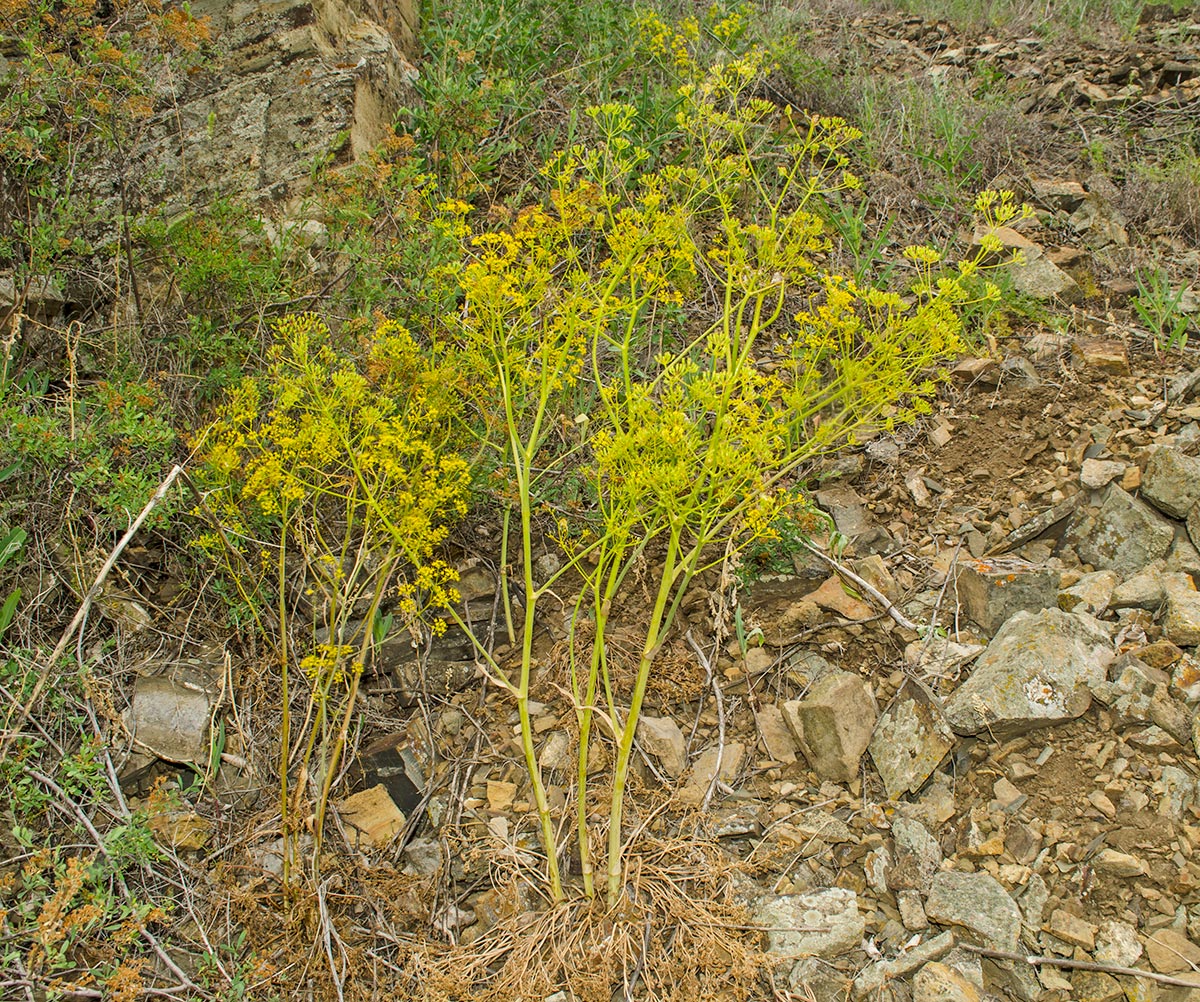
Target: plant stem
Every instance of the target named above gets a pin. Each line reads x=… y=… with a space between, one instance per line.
x=654 y=633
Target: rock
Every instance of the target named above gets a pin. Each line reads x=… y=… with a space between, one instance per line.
x=1058 y=194
x=833 y=724
x=1038 y=277
x=1178 y=792
x=170 y=720
x=1100 y=220
x=1071 y=929
x=449 y=667
x=279 y=101
x=993 y=590
x=423 y=857
x=1142 y=591
x=775 y=734
x=556 y=754
x=918 y=856
x=1193 y=525
x=394 y=763
x=910 y=740
x=940 y=656
x=1037 y=671
x=182 y=830
x=984 y=371
x=814 y=978
x=1104 y=355
x=1095 y=986
x=1181 y=617
x=1097 y=473
x=1183 y=557
x=662 y=739
x=705 y=768
x=1170 y=952
x=1119 y=864
x=977 y=903
x=1092 y=593
x=822 y=923
x=373 y=815
x=1123 y=535
x=938 y=983
x=853 y=520
x=912 y=910
x=1117 y=943
x=832 y=596
x=1172 y=482
x=500 y=795
x=872 y=979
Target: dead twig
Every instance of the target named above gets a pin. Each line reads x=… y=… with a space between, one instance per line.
x=873 y=593
x=1078 y=965
x=709 y=670
x=92 y=594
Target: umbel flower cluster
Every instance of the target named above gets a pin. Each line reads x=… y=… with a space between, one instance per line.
x=666 y=339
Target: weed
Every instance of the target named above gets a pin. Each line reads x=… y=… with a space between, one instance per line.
x=342 y=466
x=1157 y=304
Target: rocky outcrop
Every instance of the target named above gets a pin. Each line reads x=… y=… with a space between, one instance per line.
x=289 y=83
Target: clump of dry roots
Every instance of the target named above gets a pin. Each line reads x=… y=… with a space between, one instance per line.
x=677 y=934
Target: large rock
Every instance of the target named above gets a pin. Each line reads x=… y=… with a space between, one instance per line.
x=976 y=902
x=1123 y=534
x=911 y=738
x=290 y=83
x=833 y=724
x=823 y=923
x=170 y=720
x=1172 y=482
x=1037 y=671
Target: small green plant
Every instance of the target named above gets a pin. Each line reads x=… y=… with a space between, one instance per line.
x=1157 y=304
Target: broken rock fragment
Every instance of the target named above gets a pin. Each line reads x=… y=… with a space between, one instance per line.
x=833 y=724
x=911 y=738
x=993 y=590
x=1123 y=534
x=978 y=903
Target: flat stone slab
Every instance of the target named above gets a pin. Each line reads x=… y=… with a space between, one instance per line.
x=823 y=923
x=1038 y=670
x=978 y=903
x=833 y=724
x=170 y=720
x=910 y=740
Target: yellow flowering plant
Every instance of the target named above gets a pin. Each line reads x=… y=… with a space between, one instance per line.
x=346 y=466
x=691 y=443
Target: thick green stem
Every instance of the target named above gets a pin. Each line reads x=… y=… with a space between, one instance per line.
x=542 y=803
x=654 y=635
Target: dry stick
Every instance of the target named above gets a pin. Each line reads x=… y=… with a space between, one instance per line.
x=872 y=592
x=92 y=594
x=720 y=701
x=1077 y=965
